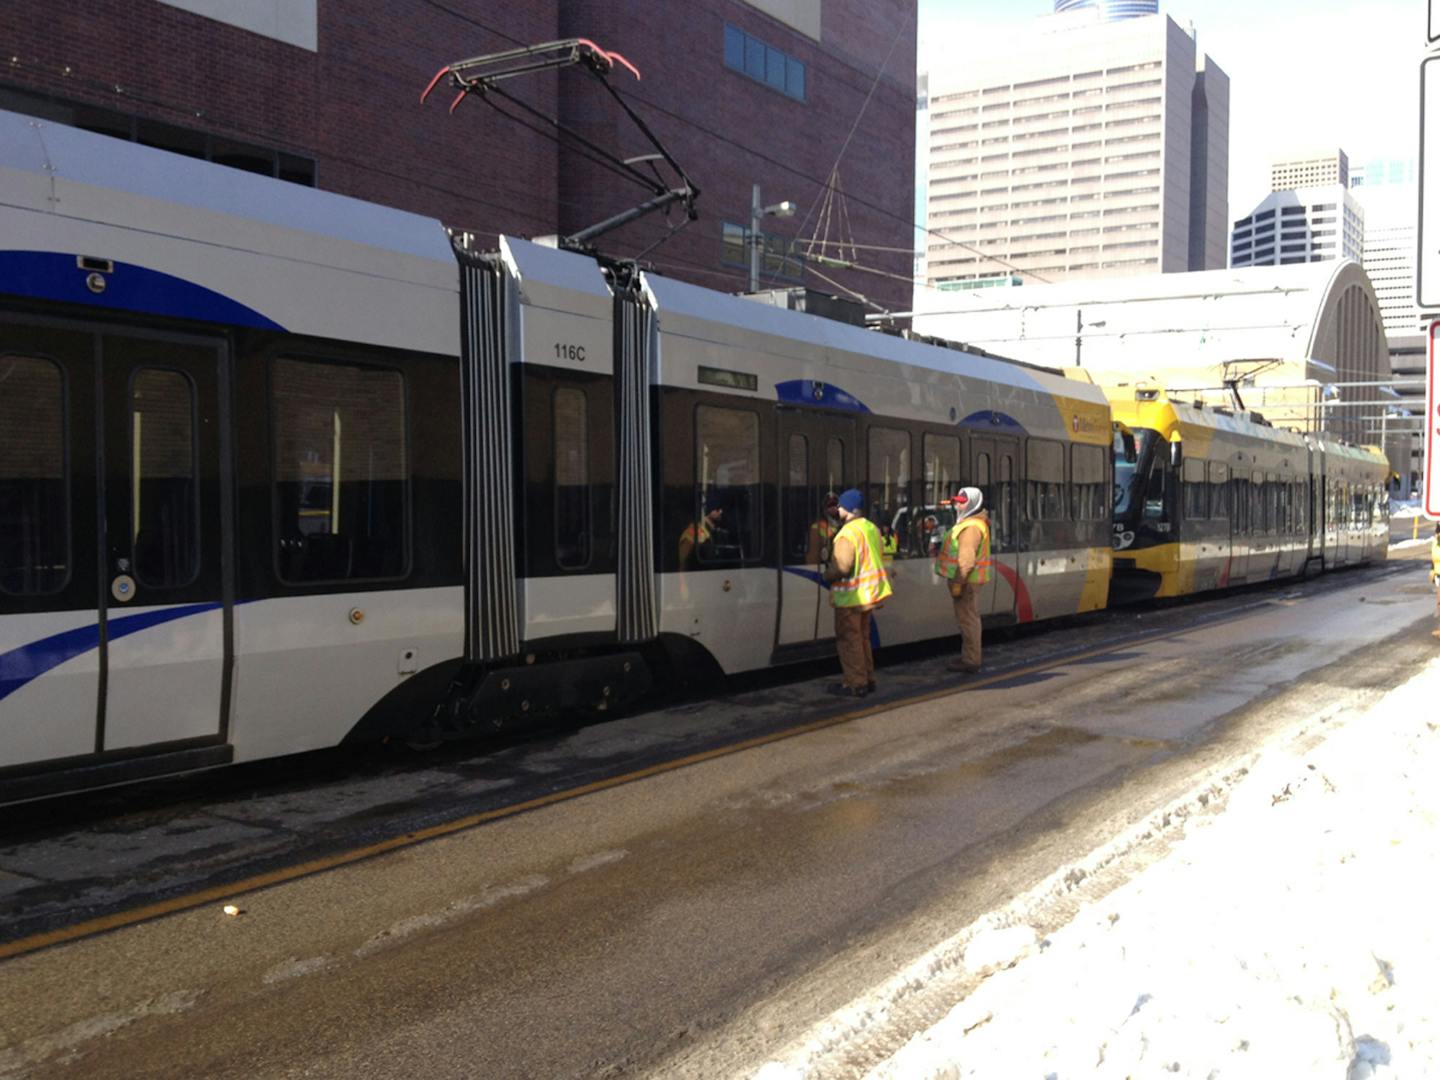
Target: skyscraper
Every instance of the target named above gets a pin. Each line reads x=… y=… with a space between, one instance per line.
x=1308 y=224
x=1082 y=150
x=1312 y=170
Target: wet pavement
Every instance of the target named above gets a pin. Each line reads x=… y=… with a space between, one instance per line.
x=606 y=931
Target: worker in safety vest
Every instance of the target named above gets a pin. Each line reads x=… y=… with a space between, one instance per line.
x=964 y=561
x=697 y=539
x=822 y=531
x=858 y=585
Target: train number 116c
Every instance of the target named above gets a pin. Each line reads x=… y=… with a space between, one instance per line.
x=570 y=352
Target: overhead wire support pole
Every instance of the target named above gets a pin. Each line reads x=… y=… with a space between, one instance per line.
x=480 y=75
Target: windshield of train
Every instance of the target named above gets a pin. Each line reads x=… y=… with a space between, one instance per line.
x=1129 y=476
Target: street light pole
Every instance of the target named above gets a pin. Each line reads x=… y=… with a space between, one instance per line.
x=757 y=212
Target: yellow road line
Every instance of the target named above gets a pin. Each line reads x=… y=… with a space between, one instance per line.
x=120 y=919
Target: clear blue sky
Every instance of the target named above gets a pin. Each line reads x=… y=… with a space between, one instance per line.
x=1304 y=74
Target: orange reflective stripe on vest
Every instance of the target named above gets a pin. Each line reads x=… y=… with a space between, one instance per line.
x=868 y=583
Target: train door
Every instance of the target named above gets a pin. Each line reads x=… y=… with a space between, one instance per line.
x=163 y=616
x=992 y=470
x=816 y=455
x=50 y=670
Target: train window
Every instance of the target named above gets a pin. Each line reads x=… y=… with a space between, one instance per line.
x=801 y=515
x=1087 y=470
x=1240 y=503
x=1195 y=489
x=34 y=503
x=1001 y=513
x=889 y=482
x=727 y=497
x=341 y=471
x=1045 y=480
x=835 y=466
x=1219 y=490
x=572 y=479
x=1259 y=503
x=942 y=467
x=164 y=490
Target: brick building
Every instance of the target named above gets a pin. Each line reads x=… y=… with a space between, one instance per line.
x=740 y=91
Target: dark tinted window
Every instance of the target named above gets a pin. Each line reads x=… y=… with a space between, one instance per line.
x=727 y=471
x=572 y=479
x=1087 y=467
x=164 y=493
x=1045 y=480
x=341 y=473
x=34 y=505
x=888 y=491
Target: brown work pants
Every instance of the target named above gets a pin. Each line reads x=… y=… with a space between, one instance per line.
x=852 y=642
x=965 y=598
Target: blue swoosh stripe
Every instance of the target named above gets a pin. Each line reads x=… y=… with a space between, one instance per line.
x=50 y=275
x=20 y=666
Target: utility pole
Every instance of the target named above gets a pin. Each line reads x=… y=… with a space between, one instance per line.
x=758 y=212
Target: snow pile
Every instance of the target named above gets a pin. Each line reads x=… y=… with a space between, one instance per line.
x=1294 y=934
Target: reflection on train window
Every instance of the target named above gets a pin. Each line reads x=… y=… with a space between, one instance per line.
x=341 y=473
x=1157 y=486
x=34 y=506
x=1259 y=503
x=727 y=495
x=801 y=511
x=888 y=494
x=834 y=466
x=572 y=479
x=1219 y=490
x=1045 y=480
x=1002 y=511
x=1087 y=473
x=164 y=489
x=942 y=467
x=1194 y=488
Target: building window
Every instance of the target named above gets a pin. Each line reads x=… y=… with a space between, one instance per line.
x=341 y=471
x=764 y=63
x=779 y=257
x=34 y=502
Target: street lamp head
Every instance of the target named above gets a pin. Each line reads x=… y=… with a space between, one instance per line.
x=780 y=209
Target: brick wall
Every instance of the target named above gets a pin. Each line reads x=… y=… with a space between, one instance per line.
x=353 y=106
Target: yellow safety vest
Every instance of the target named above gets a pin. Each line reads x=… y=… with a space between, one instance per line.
x=1435 y=556
x=868 y=584
x=693 y=536
x=891 y=544
x=947 y=564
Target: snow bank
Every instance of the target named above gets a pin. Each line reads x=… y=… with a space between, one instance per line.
x=1294 y=934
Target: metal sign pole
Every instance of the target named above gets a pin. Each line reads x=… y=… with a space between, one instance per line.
x=1431 y=482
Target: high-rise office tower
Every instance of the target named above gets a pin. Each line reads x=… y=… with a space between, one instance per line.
x=1310 y=170
x=1308 y=224
x=1080 y=150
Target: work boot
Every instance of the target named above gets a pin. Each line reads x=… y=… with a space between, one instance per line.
x=841 y=690
x=962 y=667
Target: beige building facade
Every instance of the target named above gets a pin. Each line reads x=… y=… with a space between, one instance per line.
x=1083 y=150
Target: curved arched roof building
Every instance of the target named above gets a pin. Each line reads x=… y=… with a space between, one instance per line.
x=1315 y=323
x=1112 y=9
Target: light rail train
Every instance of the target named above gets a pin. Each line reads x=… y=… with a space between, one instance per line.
x=280 y=469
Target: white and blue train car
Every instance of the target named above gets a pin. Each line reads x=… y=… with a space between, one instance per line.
x=227 y=419
x=280 y=468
